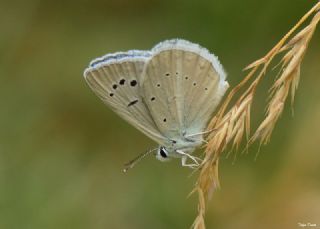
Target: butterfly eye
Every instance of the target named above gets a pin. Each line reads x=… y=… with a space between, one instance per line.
x=163 y=152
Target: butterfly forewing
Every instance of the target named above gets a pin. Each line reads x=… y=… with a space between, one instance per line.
x=182 y=85
x=116 y=79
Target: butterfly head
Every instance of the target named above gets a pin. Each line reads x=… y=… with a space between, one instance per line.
x=163 y=154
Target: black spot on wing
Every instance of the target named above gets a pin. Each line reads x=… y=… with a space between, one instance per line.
x=122 y=81
x=133 y=83
x=133 y=102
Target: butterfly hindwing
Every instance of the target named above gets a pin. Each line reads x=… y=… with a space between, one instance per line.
x=115 y=78
x=182 y=84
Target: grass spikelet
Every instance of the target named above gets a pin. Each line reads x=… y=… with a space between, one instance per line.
x=287 y=82
x=232 y=121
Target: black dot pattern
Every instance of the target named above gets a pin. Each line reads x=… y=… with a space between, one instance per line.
x=194 y=84
x=122 y=81
x=153 y=98
x=158 y=85
x=111 y=94
x=114 y=86
x=164 y=120
x=133 y=83
x=167 y=74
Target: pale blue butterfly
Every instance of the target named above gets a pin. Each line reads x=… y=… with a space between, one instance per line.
x=168 y=93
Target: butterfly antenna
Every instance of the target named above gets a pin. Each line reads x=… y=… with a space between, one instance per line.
x=135 y=161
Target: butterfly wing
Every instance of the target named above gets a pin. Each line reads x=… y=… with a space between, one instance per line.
x=182 y=84
x=115 y=78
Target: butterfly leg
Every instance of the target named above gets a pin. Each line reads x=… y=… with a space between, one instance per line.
x=184 y=158
x=199 y=133
x=189 y=136
x=184 y=163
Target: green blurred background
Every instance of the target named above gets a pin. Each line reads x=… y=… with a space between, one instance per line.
x=62 y=150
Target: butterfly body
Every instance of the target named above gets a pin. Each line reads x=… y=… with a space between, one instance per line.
x=168 y=93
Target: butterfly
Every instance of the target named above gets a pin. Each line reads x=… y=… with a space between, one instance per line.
x=168 y=93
